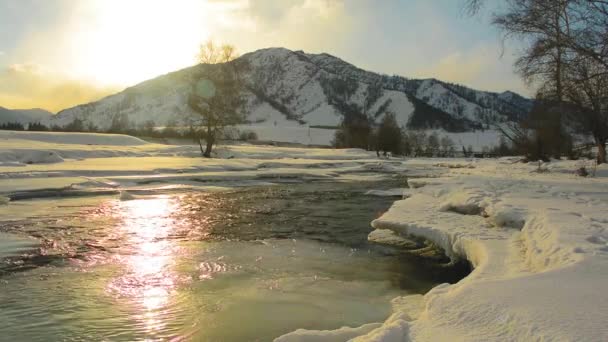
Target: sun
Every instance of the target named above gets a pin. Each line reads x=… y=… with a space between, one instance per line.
x=123 y=42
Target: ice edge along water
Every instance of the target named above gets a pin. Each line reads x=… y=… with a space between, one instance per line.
x=538 y=241
x=538 y=244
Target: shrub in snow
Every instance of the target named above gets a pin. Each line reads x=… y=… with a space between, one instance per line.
x=248 y=135
x=465 y=202
x=582 y=171
x=506 y=217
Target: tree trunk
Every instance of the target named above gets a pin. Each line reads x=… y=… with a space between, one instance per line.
x=558 y=83
x=208 y=148
x=601 y=151
x=210 y=140
x=200 y=145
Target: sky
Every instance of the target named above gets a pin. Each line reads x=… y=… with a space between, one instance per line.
x=55 y=54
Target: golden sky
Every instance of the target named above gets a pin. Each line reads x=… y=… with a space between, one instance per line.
x=58 y=53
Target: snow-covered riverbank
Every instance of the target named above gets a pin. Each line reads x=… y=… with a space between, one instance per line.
x=538 y=240
x=89 y=162
x=539 y=246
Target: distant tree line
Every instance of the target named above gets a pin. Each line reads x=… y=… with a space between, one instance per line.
x=18 y=126
x=12 y=126
x=388 y=137
x=121 y=126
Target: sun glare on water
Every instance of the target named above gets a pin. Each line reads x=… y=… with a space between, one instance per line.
x=122 y=42
x=148 y=279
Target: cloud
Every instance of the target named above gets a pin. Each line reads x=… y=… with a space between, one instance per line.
x=28 y=85
x=271 y=12
x=97 y=40
x=310 y=25
x=461 y=67
x=482 y=67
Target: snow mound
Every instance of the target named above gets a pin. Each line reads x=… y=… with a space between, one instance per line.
x=506 y=216
x=381 y=167
x=40 y=157
x=338 y=335
x=389 y=237
x=465 y=201
x=397 y=192
x=74 y=138
x=415 y=183
x=513 y=292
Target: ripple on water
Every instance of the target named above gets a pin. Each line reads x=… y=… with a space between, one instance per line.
x=240 y=265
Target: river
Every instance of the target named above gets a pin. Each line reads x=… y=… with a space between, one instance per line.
x=245 y=264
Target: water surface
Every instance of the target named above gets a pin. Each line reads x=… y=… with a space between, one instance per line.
x=247 y=264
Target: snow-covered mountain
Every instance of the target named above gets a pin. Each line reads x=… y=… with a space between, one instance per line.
x=295 y=88
x=24 y=116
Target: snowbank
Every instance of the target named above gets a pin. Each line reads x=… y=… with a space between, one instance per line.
x=18 y=149
x=397 y=192
x=538 y=244
x=390 y=237
x=44 y=164
x=538 y=241
x=74 y=138
x=338 y=335
x=40 y=157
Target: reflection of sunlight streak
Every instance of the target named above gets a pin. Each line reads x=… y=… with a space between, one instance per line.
x=148 y=279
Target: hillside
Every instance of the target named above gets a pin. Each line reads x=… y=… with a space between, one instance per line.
x=24 y=116
x=296 y=89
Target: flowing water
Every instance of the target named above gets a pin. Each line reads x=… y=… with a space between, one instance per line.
x=248 y=264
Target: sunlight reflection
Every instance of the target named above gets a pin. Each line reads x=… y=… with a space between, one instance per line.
x=148 y=279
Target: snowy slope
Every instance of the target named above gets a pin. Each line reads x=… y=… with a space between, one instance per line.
x=293 y=88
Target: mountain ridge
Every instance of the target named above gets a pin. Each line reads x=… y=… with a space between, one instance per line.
x=296 y=88
x=24 y=116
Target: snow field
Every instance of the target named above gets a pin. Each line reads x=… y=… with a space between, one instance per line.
x=538 y=242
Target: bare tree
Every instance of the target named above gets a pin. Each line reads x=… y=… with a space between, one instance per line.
x=587 y=89
x=432 y=145
x=418 y=142
x=216 y=95
x=472 y=7
x=589 y=31
x=544 y=25
x=447 y=146
x=586 y=23
x=211 y=53
x=567 y=56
